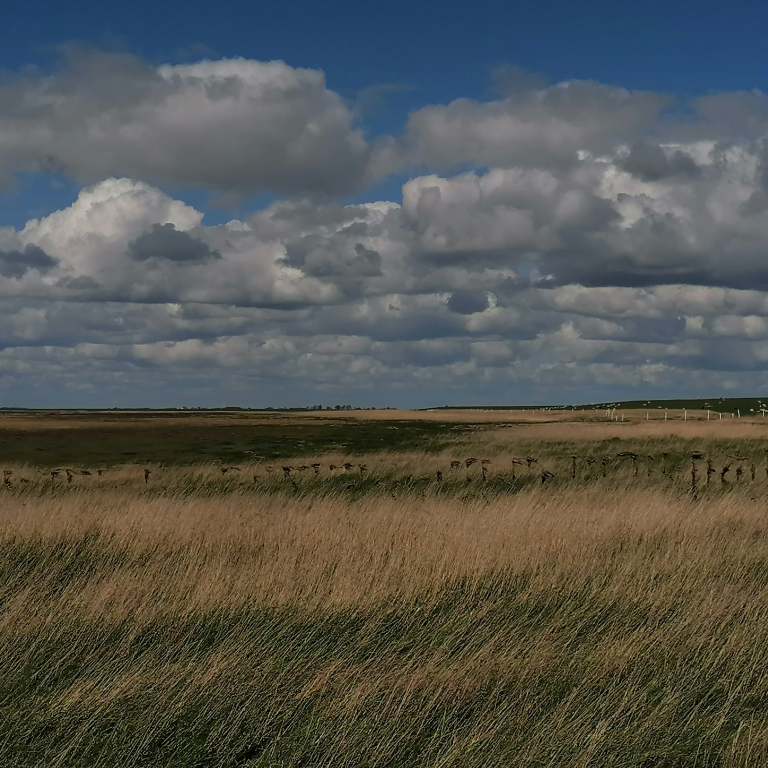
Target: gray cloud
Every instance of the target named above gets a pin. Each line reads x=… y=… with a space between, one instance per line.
x=328 y=257
x=531 y=126
x=81 y=283
x=164 y=241
x=468 y=302
x=654 y=216
x=732 y=114
x=236 y=126
x=15 y=264
x=650 y=162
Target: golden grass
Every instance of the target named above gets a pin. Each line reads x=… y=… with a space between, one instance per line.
x=274 y=551
x=469 y=415
x=204 y=619
x=535 y=416
x=601 y=590
x=727 y=429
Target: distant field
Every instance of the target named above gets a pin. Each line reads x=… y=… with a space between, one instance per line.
x=745 y=405
x=172 y=438
x=383 y=589
x=106 y=439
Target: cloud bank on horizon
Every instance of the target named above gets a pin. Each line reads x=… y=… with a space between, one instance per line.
x=559 y=241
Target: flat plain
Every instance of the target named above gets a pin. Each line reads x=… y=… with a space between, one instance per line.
x=447 y=588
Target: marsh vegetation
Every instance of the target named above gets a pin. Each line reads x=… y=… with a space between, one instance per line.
x=395 y=607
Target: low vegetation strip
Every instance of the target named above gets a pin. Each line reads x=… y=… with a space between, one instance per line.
x=559 y=626
x=114 y=439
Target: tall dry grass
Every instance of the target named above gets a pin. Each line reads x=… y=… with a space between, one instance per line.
x=310 y=553
x=577 y=625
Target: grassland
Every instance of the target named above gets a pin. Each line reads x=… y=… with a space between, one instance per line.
x=173 y=438
x=352 y=603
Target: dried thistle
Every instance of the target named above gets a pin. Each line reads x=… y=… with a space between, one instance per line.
x=629 y=455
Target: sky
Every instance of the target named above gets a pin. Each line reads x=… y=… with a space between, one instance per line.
x=409 y=205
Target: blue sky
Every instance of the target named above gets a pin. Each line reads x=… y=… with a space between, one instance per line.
x=443 y=49
x=458 y=202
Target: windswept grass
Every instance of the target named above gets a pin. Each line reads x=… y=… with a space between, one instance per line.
x=441 y=591
x=557 y=626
